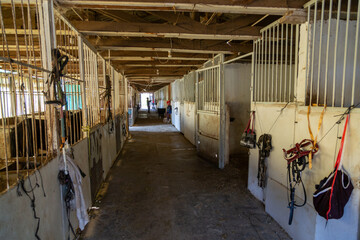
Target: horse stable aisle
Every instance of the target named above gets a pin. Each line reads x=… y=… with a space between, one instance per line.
x=160 y=189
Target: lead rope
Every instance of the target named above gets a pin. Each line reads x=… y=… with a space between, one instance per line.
x=314 y=139
x=337 y=164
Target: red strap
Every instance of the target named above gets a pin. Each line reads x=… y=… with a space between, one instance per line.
x=252 y=117
x=248 y=125
x=338 y=160
x=337 y=164
x=253 y=122
x=299 y=150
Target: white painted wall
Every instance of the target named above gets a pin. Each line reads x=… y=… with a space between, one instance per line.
x=237 y=88
x=189 y=121
x=176 y=115
x=16 y=215
x=108 y=142
x=161 y=97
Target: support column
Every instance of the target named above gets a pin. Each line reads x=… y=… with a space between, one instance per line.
x=223 y=149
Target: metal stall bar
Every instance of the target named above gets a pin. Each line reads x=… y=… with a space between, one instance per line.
x=327 y=52
x=335 y=51
x=281 y=62
x=265 y=66
x=286 y=62
x=252 y=74
x=296 y=60
x=262 y=68
x=65 y=48
x=355 y=53
x=291 y=77
x=345 y=52
x=257 y=66
x=273 y=64
x=269 y=63
x=313 y=52
x=320 y=52
x=85 y=120
x=277 y=61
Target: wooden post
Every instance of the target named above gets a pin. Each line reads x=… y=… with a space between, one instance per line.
x=83 y=85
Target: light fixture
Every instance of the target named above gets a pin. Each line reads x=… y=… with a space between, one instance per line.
x=157 y=71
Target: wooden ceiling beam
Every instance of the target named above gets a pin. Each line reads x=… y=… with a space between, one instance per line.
x=158 y=65
x=146 y=59
x=105 y=54
x=177 y=45
x=177 y=19
x=262 y=7
x=152 y=72
x=157 y=62
x=122 y=16
x=213 y=32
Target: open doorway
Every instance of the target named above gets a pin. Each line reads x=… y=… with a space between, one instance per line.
x=144 y=98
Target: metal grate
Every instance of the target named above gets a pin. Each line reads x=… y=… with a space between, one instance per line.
x=67 y=43
x=276 y=63
x=208 y=82
x=91 y=86
x=29 y=128
x=23 y=133
x=332 y=74
x=122 y=93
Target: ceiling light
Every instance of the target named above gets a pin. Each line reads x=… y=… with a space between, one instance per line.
x=169 y=54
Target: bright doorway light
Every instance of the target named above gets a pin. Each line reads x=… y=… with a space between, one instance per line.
x=144 y=97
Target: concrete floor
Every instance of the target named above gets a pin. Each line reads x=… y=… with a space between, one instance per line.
x=160 y=189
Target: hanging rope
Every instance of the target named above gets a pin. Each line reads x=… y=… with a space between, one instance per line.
x=314 y=139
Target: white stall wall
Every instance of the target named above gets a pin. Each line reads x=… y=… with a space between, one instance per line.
x=237 y=97
x=16 y=215
x=108 y=142
x=176 y=115
x=161 y=97
x=189 y=121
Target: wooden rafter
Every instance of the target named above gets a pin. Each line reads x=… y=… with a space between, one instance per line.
x=100 y=28
x=177 y=45
x=272 y=7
